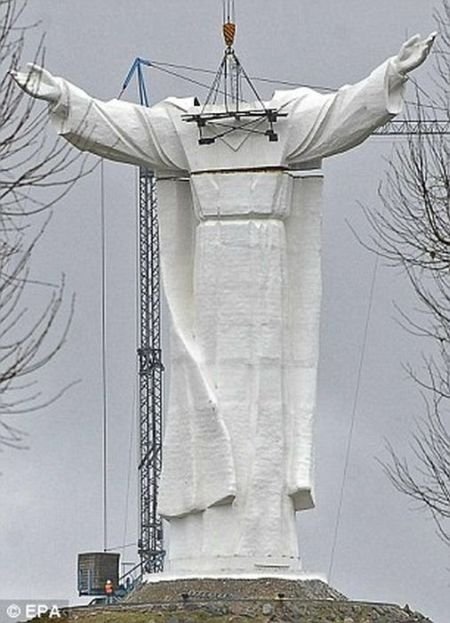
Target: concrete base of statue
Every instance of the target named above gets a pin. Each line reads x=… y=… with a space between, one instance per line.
x=280 y=597
x=231 y=565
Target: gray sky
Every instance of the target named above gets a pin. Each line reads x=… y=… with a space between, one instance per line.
x=51 y=494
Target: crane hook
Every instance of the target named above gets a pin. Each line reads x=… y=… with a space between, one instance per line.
x=229 y=32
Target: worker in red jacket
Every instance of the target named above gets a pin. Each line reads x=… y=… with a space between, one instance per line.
x=109 y=591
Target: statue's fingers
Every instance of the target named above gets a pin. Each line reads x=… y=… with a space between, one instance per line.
x=412 y=41
x=19 y=77
x=36 y=68
x=15 y=76
x=38 y=72
x=429 y=41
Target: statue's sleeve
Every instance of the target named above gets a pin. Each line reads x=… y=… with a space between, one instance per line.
x=118 y=130
x=324 y=125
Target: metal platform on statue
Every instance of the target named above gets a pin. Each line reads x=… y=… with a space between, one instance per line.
x=215 y=118
x=226 y=100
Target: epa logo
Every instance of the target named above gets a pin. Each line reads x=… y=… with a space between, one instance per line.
x=33 y=610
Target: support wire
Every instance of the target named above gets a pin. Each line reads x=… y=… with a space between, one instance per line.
x=353 y=420
x=130 y=463
x=103 y=347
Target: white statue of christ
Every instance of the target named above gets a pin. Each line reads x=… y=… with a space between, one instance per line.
x=240 y=248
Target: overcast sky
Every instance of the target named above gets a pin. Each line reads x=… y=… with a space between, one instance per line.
x=51 y=494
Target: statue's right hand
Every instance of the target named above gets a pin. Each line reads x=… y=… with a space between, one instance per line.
x=38 y=82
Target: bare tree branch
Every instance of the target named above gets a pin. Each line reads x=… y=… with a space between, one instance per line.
x=412 y=231
x=35 y=173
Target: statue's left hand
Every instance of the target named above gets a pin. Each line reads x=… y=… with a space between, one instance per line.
x=413 y=53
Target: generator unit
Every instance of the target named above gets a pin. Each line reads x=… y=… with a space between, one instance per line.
x=94 y=569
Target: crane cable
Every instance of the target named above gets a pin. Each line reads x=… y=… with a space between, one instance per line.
x=355 y=407
x=353 y=419
x=228 y=10
x=105 y=383
x=164 y=67
x=129 y=470
x=133 y=426
x=103 y=350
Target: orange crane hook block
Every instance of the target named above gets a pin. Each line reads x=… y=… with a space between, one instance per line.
x=229 y=32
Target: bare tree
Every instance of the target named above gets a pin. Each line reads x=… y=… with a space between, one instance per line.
x=34 y=173
x=412 y=230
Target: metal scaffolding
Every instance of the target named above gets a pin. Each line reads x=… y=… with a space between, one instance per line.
x=423 y=127
x=150 y=367
x=150 y=545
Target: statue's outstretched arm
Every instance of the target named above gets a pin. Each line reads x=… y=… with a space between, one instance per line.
x=324 y=125
x=115 y=130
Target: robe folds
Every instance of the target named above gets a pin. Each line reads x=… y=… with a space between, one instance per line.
x=240 y=250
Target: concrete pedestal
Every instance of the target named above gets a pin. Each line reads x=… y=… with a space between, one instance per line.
x=275 y=599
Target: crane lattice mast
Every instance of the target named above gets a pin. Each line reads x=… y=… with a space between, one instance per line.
x=150 y=366
x=410 y=127
x=150 y=369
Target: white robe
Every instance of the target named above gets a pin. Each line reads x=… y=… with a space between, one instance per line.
x=240 y=247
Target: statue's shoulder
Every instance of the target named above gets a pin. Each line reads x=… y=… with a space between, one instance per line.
x=293 y=97
x=180 y=103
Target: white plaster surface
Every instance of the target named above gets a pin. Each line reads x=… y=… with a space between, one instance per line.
x=240 y=243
